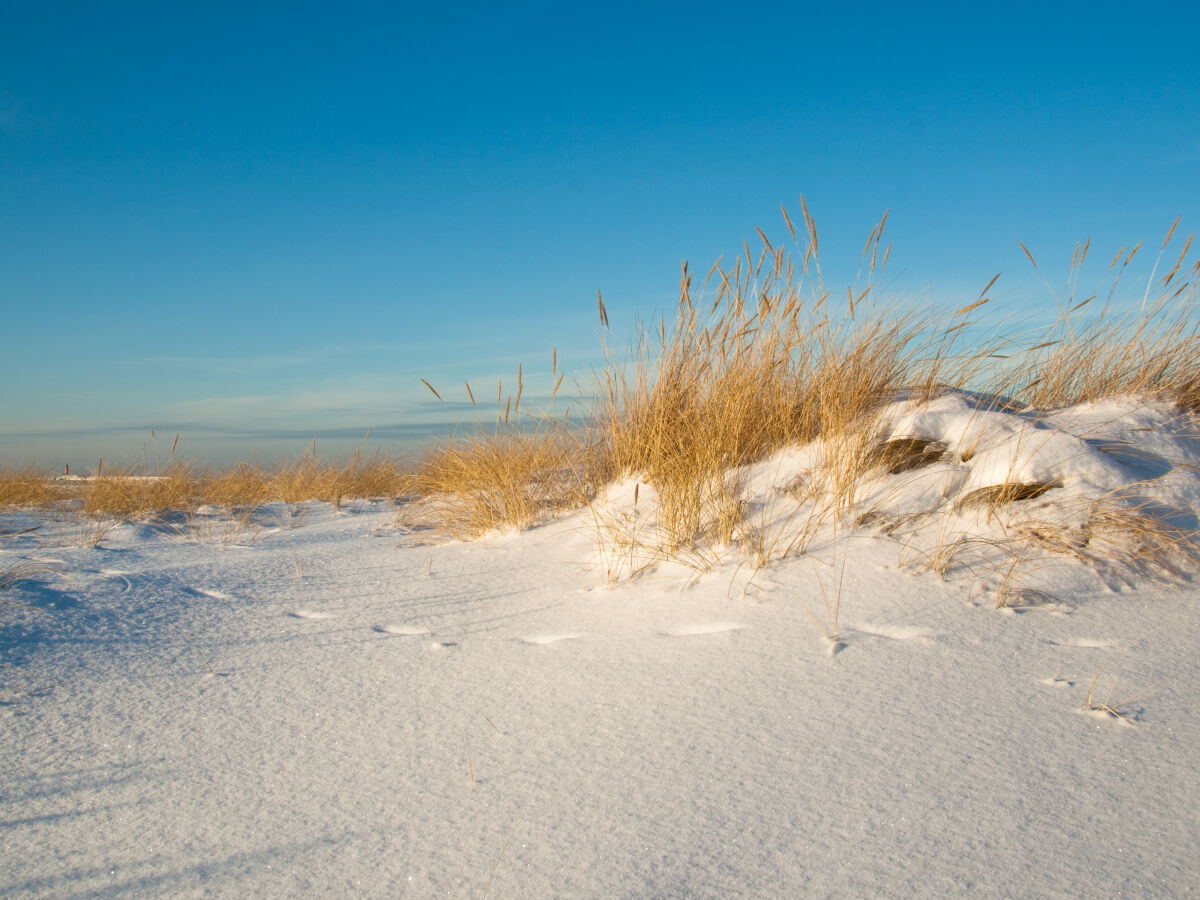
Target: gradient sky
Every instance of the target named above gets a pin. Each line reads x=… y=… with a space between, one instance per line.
x=260 y=226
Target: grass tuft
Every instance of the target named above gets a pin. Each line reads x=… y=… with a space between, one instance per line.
x=995 y=495
x=904 y=454
x=503 y=479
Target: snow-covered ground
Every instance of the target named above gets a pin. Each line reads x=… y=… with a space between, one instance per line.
x=318 y=701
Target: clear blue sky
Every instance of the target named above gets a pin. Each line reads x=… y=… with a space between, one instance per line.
x=256 y=226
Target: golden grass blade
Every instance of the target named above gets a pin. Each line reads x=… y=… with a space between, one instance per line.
x=766 y=243
x=470 y=393
x=787 y=218
x=870 y=241
x=603 y=311
x=995 y=277
x=812 y=226
x=955 y=328
x=431 y=388
x=1028 y=254
x=975 y=305
x=1187 y=245
x=1170 y=231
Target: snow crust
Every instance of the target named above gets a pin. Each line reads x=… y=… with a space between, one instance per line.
x=323 y=704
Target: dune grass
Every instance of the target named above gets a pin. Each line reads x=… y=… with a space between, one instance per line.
x=125 y=493
x=760 y=357
x=505 y=479
x=29 y=486
x=763 y=356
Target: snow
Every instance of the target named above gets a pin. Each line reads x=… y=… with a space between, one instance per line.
x=325 y=704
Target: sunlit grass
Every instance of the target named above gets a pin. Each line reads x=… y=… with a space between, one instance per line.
x=759 y=357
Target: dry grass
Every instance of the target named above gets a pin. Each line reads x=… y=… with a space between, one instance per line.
x=771 y=361
x=27 y=487
x=1126 y=538
x=762 y=357
x=904 y=454
x=21 y=570
x=993 y=496
x=307 y=478
x=503 y=479
x=1151 y=350
x=135 y=493
x=126 y=494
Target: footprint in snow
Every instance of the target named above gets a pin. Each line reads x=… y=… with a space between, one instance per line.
x=703 y=628
x=310 y=614
x=912 y=633
x=542 y=639
x=205 y=592
x=1056 y=682
x=402 y=629
x=1108 y=715
x=833 y=647
x=1087 y=643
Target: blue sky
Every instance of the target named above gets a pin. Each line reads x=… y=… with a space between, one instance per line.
x=256 y=227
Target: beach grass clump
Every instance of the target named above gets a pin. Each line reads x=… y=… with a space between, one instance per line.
x=29 y=486
x=127 y=494
x=904 y=454
x=1126 y=538
x=771 y=361
x=1098 y=348
x=764 y=357
x=991 y=497
x=504 y=479
x=359 y=477
x=138 y=492
x=15 y=572
x=242 y=486
x=759 y=358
